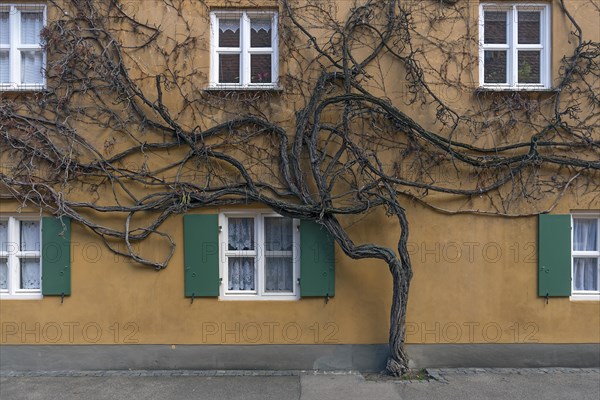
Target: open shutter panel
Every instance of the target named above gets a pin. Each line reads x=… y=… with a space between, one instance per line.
x=56 y=256
x=554 y=255
x=201 y=255
x=317 y=264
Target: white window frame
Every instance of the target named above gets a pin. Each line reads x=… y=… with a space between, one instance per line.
x=585 y=294
x=14 y=255
x=244 y=50
x=512 y=46
x=15 y=47
x=259 y=254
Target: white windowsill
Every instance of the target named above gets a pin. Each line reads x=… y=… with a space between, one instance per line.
x=233 y=88
x=22 y=88
x=487 y=89
x=585 y=297
x=28 y=296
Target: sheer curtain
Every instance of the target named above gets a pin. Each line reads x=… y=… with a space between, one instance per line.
x=241 y=273
x=585 y=269
x=279 y=241
x=30 y=267
x=3 y=274
x=240 y=238
x=32 y=62
x=585 y=234
x=4 y=39
x=241 y=234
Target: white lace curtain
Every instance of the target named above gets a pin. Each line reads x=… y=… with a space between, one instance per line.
x=3 y=274
x=28 y=267
x=241 y=269
x=32 y=62
x=257 y=24
x=585 y=269
x=241 y=273
x=241 y=233
x=31 y=25
x=277 y=253
x=232 y=25
x=4 y=39
x=279 y=237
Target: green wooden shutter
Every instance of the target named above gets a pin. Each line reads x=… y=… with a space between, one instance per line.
x=56 y=256
x=317 y=264
x=554 y=255
x=201 y=255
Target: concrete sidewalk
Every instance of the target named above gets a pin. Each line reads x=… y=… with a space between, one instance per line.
x=546 y=384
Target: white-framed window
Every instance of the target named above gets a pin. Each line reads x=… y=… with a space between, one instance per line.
x=20 y=258
x=22 y=58
x=259 y=256
x=585 y=252
x=514 y=46
x=244 y=49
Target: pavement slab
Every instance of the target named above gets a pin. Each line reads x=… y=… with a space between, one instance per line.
x=448 y=384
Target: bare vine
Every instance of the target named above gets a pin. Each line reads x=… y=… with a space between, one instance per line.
x=365 y=119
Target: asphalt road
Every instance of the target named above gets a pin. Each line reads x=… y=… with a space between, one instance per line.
x=546 y=384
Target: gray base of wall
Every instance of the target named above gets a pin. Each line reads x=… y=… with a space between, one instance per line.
x=291 y=357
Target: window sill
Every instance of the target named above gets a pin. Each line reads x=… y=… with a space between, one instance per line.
x=28 y=296
x=21 y=88
x=495 y=89
x=258 y=298
x=585 y=297
x=243 y=89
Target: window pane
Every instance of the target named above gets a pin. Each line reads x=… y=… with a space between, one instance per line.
x=229 y=68
x=585 y=274
x=529 y=27
x=529 y=66
x=494 y=30
x=30 y=273
x=241 y=273
x=585 y=234
x=279 y=274
x=4 y=236
x=241 y=233
x=31 y=25
x=260 y=32
x=229 y=32
x=279 y=234
x=4 y=71
x=494 y=67
x=3 y=274
x=31 y=67
x=4 y=31
x=260 y=68
x=30 y=236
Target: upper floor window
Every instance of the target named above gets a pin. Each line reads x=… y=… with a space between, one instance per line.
x=514 y=46
x=244 y=49
x=22 y=58
x=586 y=254
x=20 y=255
x=259 y=256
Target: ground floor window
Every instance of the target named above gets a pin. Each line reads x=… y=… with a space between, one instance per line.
x=586 y=254
x=20 y=258
x=259 y=256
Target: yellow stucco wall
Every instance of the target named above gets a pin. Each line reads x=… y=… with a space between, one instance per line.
x=475 y=281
